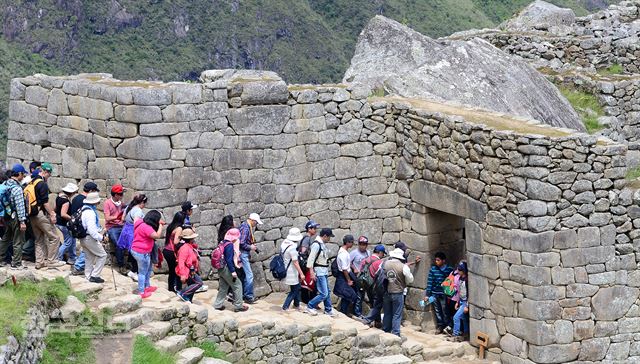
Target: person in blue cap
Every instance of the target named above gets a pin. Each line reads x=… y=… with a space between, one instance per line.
x=15 y=218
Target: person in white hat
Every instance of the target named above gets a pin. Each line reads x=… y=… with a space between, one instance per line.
x=247 y=245
x=399 y=276
x=95 y=256
x=63 y=202
x=289 y=251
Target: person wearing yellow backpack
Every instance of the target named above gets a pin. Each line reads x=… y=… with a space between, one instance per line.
x=42 y=218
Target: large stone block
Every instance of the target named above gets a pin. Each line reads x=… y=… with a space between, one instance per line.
x=448 y=200
x=71 y=138
x=36 y=95
x=539 y=310
x=265 y=92
x=179 y=113
x=185 y=140
x=339 y=188
x=199 y=158
x=293 y=175
x=370 y=228
x=555 y=353
x=138 y=114
x=534 y=276
x=120 y=130
x=90 y=108
x=225 y=159
x=187 y=177
x=165 y=198
x=360 y=149
x=73 y=122
x=144 y=179
x=611 y=303
x=538 y=190
x=25 y=113
x=145 y=148
x=212 y=110
x=520 y=240
x=594 y=349
x=349 y=132
x=74 y=163
x=479 y=291
x=502 y=302
x=533 y=332
x=211 y=140
x=57 y=104
x=187 y=93
x=583 y=256
x=106 y=168
x=102 y=147
x=159 y=129
x=20 y=150
x=266 y=120
x=151 y=96
x=487 y=326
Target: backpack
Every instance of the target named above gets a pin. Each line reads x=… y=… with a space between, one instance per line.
x=319 y=251
x=335 y=271
x=31 y=200
x=302 y=257
x=448 y=286
x=75 y=226
x=5 y=200
x=217 y=255
x=364 y=278
x=380 y=281
x=277 y=267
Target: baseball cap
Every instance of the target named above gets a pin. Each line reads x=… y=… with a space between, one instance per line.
x=187 y=205
x=47 y=167
x=363 y=240
x=326 y=232
x=117 y=189
x=462 y=266
x=400 y=245
x=255 y=217
x=18 y=168
x=311 y=225
x=379 y=248
x=347 y=239
x=90 y=186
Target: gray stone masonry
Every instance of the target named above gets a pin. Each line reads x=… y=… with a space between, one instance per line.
x=546 y=220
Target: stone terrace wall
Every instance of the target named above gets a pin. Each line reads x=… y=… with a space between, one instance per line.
x=549 y=225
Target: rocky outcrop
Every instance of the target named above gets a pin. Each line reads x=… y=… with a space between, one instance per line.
x=540 y=15
x=473 y=72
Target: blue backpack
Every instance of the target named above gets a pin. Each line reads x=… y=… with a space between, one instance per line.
x=277 y=267
x=5 y=200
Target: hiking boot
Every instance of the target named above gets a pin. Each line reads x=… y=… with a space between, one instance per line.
x=438 y=331
x=250 y=301
x=75 y=272
x=71 y=262
x=221 y=308
x=311 y=311
x=18 y=266
x=55 y=264
x=241 y=309
x=40 y=265
x=96 y=280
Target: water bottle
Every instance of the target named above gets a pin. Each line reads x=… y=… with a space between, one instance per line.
x=421 y=303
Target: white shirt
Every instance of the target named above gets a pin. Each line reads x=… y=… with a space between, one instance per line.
x=289 y=255
x=344 y=260
x=89 y=223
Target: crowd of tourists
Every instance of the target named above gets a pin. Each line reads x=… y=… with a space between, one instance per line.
x=31 y=222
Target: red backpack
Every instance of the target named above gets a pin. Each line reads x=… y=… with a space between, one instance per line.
x=217 y=256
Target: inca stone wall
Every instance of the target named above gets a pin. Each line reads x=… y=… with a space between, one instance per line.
x=547 y=220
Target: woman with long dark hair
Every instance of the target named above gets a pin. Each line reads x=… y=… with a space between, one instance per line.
x=132 y=213
x=145 y=232
x=172 y=238
x=225 y=225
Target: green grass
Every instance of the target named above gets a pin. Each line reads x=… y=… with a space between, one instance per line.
x=16 y=300
x=586 y=105
x=614 y=69
x=633 y=173
x=144 y=352
x=210 y=349
x=68 y=347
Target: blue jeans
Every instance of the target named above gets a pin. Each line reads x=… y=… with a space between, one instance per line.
x=461 y=318
x=144 y=269
x=294 y=295
x=376 y=308
x=68 y=244
x=322 y=285
x=193 y=283
x=247 y=284
x=441 y=308
x=393 y=305
x=80 y=262
x=114 y=235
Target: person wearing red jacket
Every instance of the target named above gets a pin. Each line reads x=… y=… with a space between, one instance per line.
x=188 y=264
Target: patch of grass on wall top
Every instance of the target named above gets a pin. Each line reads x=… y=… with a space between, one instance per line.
x=586 y=105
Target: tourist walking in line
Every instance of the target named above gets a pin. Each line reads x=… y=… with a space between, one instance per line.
x=187 y=209
x=227 y=224
x=318 y=264
x=228 y=278
x=76 y=203
x=356 y=256
x=63 y=202
x=188 y=264
x=15 y=220
x=132 y=213
x=247 y=245
x=114 y=221
x=439 y=271
x=42 y=218
x=345 y=280
x=398 y=276
x=289 y=251
x=373 y=264
x=308 y=286
x=145 y=232
x=95 y=255
x=461 y=317
x=172 y=239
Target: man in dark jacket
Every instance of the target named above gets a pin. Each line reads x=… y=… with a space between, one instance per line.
x=43 y=218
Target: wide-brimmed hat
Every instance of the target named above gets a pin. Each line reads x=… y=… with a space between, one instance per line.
x=294 y=234
x=92 y=198
x=70 y=188
x=397 y=253
x=232 y=235
x=188 y=234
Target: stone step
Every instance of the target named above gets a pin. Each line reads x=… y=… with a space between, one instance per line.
x=213 y=361
x=392 y=359
x=122 y=304
x=189 y=356
x=155 y=330
x=172 y=344
x=132 y=320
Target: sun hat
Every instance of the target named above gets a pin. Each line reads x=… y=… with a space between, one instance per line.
x=70 y=188
x=232 y=235
x=397 y=253
x=255 y=217
x=294 y=234
x=92 y=198
x=188 y=234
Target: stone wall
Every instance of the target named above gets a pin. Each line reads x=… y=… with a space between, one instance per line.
x=30 y=348
x=548 y=220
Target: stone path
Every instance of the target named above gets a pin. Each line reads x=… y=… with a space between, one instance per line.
x=157 y=317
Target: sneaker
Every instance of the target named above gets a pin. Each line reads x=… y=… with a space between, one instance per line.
x=55 y=264
x=363 y=320
x=18 y=267
x=311 y=311
x=299 y=309
x=145 y=294
x=75 y=272
x=438 y=331
x=204 y=288
x=448 y=330
x=241 y=309
x=250 y=301
x=330 y=313
x=151 y=289
x=180 y=297
x=221 y=308
x=71 y=262
x=96 y=280
x=132 y=276
x=41 y=265
x=459 y=339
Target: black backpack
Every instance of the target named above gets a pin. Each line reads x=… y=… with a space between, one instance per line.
x=335 y=271
x=75 y=226
x=277 y=267
x=380 y=281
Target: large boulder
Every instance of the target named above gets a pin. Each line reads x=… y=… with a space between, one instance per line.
x=540 y=15
x=474 y=73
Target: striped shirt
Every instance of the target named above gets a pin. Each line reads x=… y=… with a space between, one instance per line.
x=17 y=199
x=435 y=279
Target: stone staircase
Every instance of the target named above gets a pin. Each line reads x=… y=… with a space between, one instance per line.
x=172 y=324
